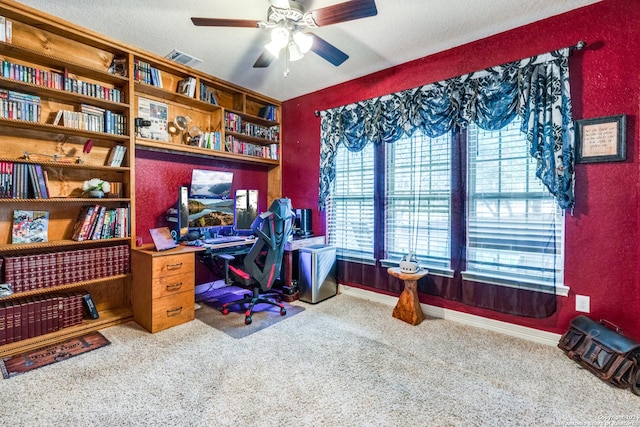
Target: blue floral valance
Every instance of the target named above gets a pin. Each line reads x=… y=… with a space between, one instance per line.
x=535 y=88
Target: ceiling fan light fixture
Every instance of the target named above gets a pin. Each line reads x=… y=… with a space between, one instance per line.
x=273 y=49
x=294 y=52
x=280 y=37
x=303 y=41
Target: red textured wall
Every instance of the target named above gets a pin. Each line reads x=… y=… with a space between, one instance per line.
x=601 y=258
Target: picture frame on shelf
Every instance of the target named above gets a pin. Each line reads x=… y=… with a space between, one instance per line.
x=601 y=139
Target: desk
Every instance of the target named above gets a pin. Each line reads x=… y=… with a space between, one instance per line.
x=408 y=308
x=163 y=290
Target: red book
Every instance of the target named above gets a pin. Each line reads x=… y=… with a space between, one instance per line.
x=31 y=317
x=3 y=325
x=18 y=320
x=9 y=321
x=37 y=312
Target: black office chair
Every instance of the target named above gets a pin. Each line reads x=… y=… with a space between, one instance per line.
x=263 y=262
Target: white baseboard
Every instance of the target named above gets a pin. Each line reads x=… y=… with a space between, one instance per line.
x=535 y=335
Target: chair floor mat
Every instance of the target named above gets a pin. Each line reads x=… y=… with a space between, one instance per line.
x=232 y=324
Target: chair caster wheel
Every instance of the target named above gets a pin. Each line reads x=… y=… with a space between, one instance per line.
x=247 y=320
x=225 y=311
x=283 y=311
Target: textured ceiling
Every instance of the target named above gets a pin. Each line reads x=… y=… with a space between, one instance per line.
x=402 y=31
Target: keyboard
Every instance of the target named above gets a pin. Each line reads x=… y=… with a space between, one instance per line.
x=223 y=239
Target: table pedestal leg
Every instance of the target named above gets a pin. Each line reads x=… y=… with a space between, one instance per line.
x=408 y=307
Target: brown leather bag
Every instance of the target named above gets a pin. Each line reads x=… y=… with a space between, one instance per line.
x=608 y=354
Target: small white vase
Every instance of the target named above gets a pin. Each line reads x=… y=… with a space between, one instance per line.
x=96 y=194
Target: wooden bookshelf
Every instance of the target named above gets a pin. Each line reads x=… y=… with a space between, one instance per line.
x=43 y=45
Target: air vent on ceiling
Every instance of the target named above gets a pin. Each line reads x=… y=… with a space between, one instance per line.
x=183 y=58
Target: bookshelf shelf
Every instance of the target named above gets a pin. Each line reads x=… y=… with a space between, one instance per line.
x=65 y=287
x=29 y=55
x=68 y=165
x=56 y=131
x=108 y=317
x=62 y=95
x=166 y=147
x=252 y=139
x=15 y=249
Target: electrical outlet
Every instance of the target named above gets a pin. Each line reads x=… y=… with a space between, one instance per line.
x=583 y=303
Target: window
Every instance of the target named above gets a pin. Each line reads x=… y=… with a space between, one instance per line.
x=418 y=199
x=350 y=211
x=515 y=228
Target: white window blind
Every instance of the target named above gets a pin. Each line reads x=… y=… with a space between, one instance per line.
x=418 y=199
x=350 y=210
x=515 y=230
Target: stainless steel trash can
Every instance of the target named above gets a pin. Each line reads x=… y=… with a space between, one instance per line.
x=317 y=280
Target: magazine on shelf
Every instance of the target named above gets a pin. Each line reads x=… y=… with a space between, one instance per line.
x=30 y=226
x=157 y=113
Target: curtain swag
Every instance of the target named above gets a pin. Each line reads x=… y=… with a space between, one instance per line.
x=536 y=88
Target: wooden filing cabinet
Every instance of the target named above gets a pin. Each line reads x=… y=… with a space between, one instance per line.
x=163 y=292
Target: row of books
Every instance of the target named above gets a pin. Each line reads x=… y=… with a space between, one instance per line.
x=116 y=156
x=59 y=80
x=23 y=181
x=96 y=222
x=31 y=317
x=51 y=269
x=187 y=87
x=145 y=73
x=207 y=94
x=237 y=146
x=94 y=90
x=6 y=30
x=19 y=106
x=93 y=119
x=211 y=140
x=268 y=112
x=235 y=123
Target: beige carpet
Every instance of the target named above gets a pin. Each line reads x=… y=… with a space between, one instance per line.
x=343 y=362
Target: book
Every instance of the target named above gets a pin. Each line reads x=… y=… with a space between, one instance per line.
x=3 y=29
x=30 y=226
x=90 y=306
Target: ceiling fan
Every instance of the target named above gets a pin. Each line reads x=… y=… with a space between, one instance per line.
x=287 y=21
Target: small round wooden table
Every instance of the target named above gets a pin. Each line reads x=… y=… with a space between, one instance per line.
x=408 y=307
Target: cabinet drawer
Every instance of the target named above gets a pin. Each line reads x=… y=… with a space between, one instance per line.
x=173 y=284
x=172 y=310
x=173 y=264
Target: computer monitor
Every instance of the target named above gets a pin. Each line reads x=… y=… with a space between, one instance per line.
x=205 y=213
x=210 y=184
x=246 y=210
x=211 y=210
x=182 y=226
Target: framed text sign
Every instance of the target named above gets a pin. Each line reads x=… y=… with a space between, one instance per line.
x=601 y=140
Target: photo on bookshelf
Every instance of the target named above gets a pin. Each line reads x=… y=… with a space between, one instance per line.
x=157 y=113
x=30 y=226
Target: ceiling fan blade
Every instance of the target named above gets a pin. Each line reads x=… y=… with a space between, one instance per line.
x=347 y=11
x=215 y=22
x=264 y=60
x=327 y=51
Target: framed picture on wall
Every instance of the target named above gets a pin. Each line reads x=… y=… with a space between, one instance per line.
x=602 y=139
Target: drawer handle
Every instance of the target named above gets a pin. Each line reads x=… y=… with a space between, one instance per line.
x=174 y=287
x=174 y=312
x=176 y=265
